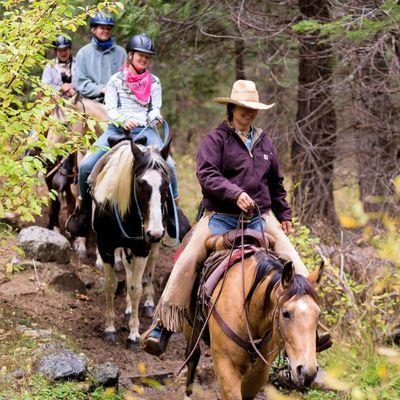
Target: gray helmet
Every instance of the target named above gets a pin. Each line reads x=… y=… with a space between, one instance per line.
x=102 y=18
x=141 y=43
x=61 y=42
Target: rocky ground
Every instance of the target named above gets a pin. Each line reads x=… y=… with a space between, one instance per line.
x=74 y=308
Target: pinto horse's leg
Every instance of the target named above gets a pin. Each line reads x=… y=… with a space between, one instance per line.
x=118 y=256
x=111 y=283
x=80 y=247
x=148 y=280
x=99 y=262
x=128 y=272
x=134 y=288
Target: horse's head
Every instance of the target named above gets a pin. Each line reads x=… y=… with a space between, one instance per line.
x=298 y=314
x=150 y=187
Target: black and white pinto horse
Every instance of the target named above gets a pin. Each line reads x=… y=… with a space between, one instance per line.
x=129 y=188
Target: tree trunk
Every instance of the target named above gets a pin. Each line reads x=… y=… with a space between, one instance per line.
x=313 y=145
x=378 y=136
x=239 y=59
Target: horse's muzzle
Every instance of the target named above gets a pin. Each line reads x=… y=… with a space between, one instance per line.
x=155 y=236
x=305 y=376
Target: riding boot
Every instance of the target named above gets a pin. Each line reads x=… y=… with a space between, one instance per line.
x=78 y=223
x=324 y=341
x=154 y=341
x=183 y=223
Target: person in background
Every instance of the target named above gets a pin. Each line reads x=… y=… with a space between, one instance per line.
x=133 y=104
x=98 y=60
x=58 y=74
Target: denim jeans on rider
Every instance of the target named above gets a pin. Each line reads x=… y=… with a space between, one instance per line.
x=221 y=223
x=88 y=162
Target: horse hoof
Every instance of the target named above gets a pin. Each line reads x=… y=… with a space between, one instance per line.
x=133 y=344
x=127 y=316
x=99 y=266
x=148 y=311
x=110 y=337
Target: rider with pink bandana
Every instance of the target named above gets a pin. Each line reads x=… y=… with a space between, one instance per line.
x=133 y=102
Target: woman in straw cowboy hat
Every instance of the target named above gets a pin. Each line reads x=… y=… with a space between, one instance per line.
x=237 y=168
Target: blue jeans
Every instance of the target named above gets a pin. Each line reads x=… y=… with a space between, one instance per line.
x=221 y=223
x=89 y=161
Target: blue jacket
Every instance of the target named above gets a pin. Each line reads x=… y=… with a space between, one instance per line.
x=94 y=67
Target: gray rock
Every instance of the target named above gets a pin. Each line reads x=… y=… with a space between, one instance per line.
x=68 y=282
x=62 y=365
x=44 y=245
x=106 y=375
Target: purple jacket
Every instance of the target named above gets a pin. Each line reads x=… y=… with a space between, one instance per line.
x=226 y=168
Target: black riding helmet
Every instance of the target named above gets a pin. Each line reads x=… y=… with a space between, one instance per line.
x=62 y=42
x=141 y=43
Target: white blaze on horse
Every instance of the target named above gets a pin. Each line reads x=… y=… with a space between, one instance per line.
x=129 y=189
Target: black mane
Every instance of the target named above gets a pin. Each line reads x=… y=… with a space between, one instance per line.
x=300 y=286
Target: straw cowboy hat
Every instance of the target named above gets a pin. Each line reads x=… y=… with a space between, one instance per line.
x=244 y=93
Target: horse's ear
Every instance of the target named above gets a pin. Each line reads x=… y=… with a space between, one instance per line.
x=287 y=274
x=315 y=276
x=165 y=150
x=137 y=153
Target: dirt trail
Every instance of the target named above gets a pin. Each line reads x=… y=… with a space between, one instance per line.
x=83 y=322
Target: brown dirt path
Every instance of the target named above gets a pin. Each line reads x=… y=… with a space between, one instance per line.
x=83 y=321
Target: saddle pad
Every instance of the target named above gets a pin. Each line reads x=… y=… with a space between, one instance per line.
x=216 y=265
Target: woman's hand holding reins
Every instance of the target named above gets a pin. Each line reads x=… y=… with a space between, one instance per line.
x=287 y=227
x=245 y=202
x=131 y=124
x=156 y=122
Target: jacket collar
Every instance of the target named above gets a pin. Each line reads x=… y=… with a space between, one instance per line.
x=224 y=126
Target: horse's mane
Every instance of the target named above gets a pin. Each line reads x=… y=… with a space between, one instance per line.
x=113 y=183
x=265 y=265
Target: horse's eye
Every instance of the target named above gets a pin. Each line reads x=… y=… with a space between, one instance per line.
x=286 y=314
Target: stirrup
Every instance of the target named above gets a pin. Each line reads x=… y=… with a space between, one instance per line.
x=154 y=341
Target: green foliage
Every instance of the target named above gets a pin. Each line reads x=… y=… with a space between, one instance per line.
x=27 y=30
x=356 y=28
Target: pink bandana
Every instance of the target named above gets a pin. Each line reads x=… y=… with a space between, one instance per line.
x=140 y=85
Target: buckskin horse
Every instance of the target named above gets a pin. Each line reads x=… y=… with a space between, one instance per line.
x=129 y=190
x=258 y=309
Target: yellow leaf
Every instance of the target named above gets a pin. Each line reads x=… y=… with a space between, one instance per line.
x=142 y=368
x=349 y=222
x=137 y=389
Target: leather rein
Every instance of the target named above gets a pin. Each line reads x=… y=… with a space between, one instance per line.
x=251 y=346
